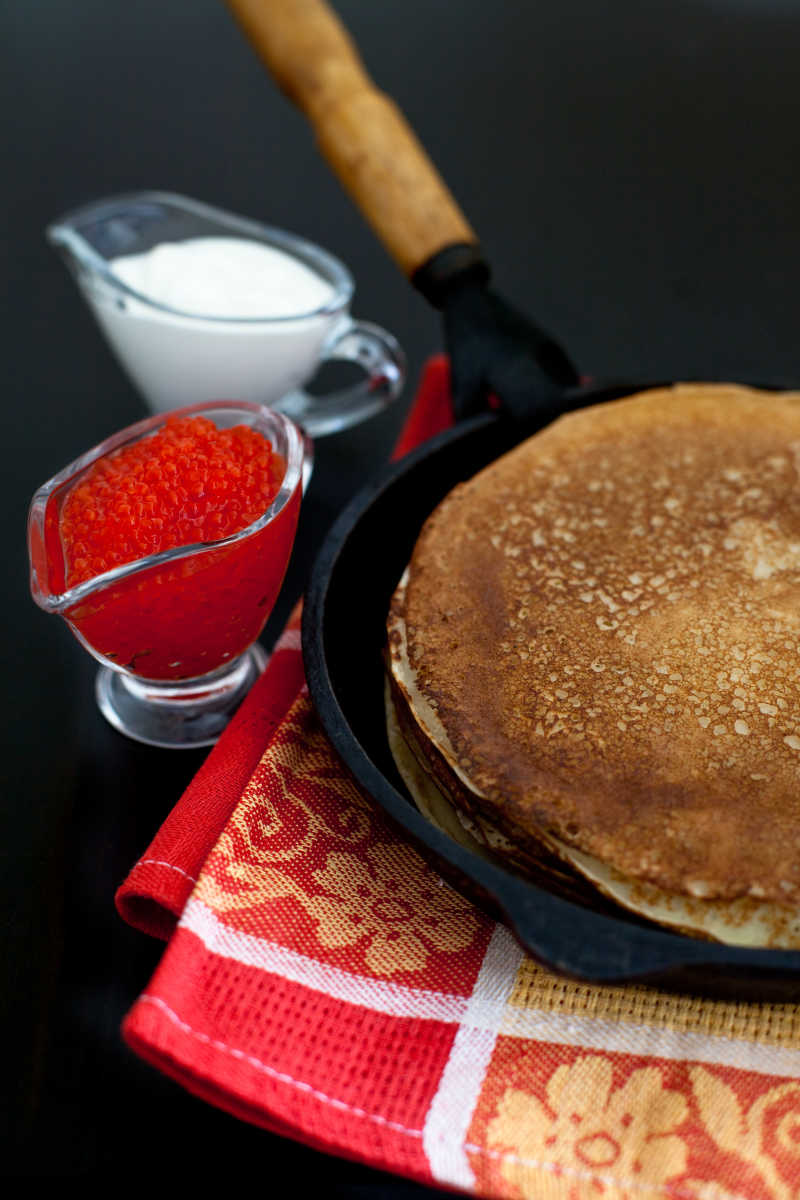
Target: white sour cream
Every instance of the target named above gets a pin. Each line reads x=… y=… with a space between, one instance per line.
x=224 y=277
x=240 y=321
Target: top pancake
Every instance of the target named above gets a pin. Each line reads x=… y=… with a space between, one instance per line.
x=606 y=623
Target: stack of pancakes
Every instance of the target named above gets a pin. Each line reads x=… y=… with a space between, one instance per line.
x=593 y=660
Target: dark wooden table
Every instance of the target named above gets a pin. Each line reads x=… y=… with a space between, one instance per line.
x=633 y=172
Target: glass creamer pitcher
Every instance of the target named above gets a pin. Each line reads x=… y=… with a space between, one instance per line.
x=132 y=255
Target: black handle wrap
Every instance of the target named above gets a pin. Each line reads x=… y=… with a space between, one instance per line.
x=494 y=350
x=449 y=268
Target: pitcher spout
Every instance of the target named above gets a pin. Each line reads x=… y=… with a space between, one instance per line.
x=90 y=238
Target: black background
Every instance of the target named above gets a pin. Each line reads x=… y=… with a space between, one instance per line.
x=632 y=170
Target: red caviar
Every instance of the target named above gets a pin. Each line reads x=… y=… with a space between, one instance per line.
x=188 y=483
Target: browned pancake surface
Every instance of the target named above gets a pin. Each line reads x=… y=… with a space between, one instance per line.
x=607 y=623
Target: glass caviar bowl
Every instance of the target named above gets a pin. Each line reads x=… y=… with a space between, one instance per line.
x=176 y=631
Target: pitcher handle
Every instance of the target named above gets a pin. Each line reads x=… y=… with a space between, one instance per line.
x=384 y=364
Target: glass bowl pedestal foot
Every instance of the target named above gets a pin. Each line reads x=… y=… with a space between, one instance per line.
x=186 y=713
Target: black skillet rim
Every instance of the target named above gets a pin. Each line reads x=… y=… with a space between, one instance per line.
x=563 y=936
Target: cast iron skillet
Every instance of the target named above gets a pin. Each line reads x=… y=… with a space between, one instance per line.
x=343 y=635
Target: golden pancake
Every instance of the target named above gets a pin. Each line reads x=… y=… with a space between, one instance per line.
x=444 y=803
x=567 y=872
x=600 y=640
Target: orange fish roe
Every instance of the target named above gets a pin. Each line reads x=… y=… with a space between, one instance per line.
x=189 y=482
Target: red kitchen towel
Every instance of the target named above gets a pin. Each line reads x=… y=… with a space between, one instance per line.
x=325 y=983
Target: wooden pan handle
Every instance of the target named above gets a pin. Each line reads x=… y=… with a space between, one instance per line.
x=360 y=130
